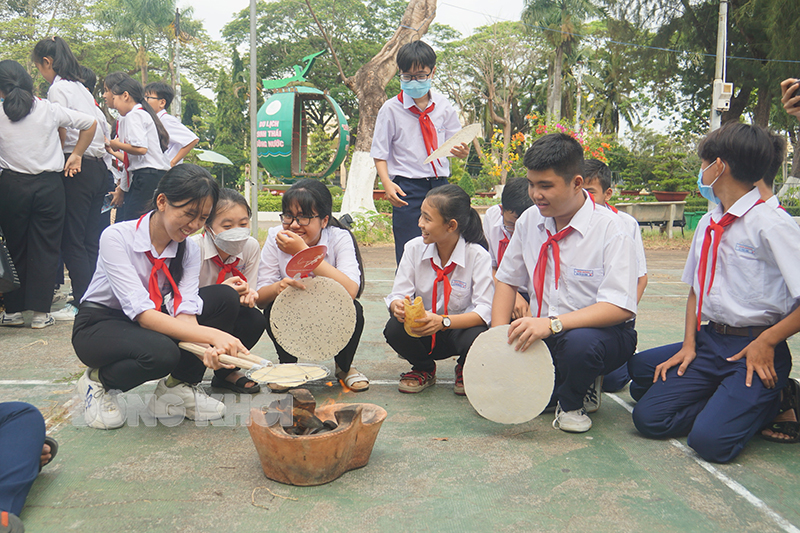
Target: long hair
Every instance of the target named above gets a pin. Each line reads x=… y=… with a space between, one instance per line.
x=313 y=196
x=184 y=185
x=129 y=85
x=65 y=64
x=17 y=85
x=452 y=202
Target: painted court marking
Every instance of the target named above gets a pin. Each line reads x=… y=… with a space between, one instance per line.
x=735 y=486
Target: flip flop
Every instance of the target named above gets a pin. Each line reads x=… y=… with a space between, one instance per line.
x=50 y=441
x=239 y=386
x=352 y=379
x=790 y=401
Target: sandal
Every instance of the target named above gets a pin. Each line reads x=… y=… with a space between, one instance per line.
x=10 y=523
x=458 y=386
x=239 y=386
x=53 y=444
x=423 y=379
x=790 y=401
x=353 y=379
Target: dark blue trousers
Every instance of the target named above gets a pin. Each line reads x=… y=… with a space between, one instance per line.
x=710 y=402
x=580 y=355
x=616 y=379
x=21 y=441
x=406 y=218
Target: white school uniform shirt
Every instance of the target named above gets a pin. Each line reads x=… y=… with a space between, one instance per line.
x=32 y=145
x=494 y=231
x=398 y=137
x=598 y=261
x=123 y=271
x=633 y=226
x=471 y=281
x=775 y=203
x=73 y=95
x=179 y=135
x=138 y=129
x=756 y=282
x=341 y=255
x=248 y=260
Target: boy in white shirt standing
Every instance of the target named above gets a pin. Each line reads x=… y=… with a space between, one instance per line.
x=579 y=263
x=181 y=139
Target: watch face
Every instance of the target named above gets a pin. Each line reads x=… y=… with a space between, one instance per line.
x=446 y=322
x=556 y=326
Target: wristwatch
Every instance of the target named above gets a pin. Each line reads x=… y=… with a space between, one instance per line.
x=445 y=321
x=556 y=326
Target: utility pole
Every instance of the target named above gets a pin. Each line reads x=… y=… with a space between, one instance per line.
x=253 y=116
x=720 y=68
x=176 y=103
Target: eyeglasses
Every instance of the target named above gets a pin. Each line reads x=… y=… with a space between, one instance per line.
x=152 y=98
x=509 y=229
x=288 y=218
x=409 y=77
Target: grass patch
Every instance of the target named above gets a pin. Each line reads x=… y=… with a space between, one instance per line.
x=658 y=240
x=372 y=228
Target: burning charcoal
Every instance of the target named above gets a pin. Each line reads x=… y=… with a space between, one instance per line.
x=330 y=424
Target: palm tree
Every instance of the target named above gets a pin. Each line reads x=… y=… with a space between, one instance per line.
x=560 y=18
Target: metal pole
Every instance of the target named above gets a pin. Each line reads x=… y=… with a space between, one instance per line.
x=176 y=103
x=719 y=68
x=253 y=113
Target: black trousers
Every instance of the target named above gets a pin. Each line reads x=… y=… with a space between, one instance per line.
x=248 y=325
x=129 y=355
x=417 y=350
x=344 y=359
x=32 y=218
x=139 y=199
x=80 y=242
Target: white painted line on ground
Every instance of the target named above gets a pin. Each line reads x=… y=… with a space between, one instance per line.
x=30 y=382
x=735 y=486
x=13 y=382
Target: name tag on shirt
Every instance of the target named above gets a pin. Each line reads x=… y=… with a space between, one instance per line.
x=584 y=272
x=745 y=248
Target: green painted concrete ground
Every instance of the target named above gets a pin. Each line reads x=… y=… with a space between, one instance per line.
x=436 y=466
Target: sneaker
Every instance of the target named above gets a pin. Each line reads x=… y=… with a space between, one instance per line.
x=10 y=523
x=458 y=387
x=184 y=400
x=100 y=408
x=591 y=402
x=67 y=314
x=42 y=320
x=423 y=379
x=572 y=421
x=11 y=319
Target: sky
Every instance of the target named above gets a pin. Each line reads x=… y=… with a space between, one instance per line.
x=463 y=15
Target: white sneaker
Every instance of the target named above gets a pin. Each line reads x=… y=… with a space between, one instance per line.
x=42 y=320
x=591 y=401
x=184 y=400
x=572 y=421
x=11 y=319
x=66 y=314
x=100 y=407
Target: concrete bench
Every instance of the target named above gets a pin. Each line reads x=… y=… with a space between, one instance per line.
x=663 y=214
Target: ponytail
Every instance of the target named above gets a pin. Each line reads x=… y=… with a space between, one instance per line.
x=64 y=62
x=17 y=85
x=452 y=202
x=126 y=84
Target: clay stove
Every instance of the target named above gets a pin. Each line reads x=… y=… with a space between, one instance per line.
x=322 y=444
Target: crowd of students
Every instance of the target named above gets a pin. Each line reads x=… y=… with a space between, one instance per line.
x=569 y=271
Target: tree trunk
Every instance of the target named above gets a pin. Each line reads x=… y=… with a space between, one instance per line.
x=763 y=104
x=557 y=67
x=369 y=84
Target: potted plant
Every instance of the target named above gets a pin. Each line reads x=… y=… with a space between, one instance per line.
x=670 y=191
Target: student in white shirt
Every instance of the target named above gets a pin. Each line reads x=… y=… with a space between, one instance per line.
x=141 y=143
x=498 y=227
x=449 y=267
x=181 y=139
x=597 y=181
x=143 y=299
x=307 y=220
x=722 y=384
x=579 y=264
x=83 y=192
x=230 y=256
x=32 y=189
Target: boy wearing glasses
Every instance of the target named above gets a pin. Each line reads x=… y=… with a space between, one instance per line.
x=181 y=138
x=410 y=127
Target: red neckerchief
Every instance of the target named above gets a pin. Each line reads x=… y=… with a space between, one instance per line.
x=614 y=209
x=713 y=229
x=428 y=129
x=152 y=284
x=229 y=268
x=501 y=249
x=441 y=275
x=541 y=265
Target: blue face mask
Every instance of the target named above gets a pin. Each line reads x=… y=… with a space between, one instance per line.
x=416 y=89
x=707 y=191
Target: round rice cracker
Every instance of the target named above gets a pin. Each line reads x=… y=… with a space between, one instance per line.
x=314 y=324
